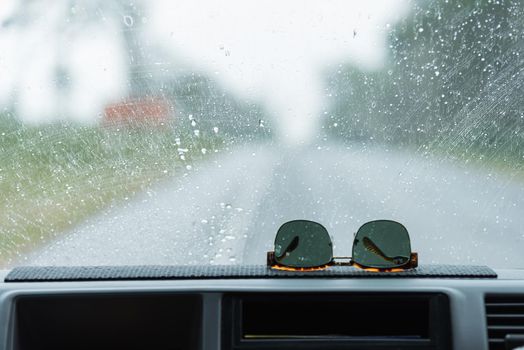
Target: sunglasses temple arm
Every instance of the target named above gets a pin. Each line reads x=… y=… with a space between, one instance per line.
x=413 y=260
x=271 y=259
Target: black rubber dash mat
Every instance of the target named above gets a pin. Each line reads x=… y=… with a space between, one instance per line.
x=157 y=272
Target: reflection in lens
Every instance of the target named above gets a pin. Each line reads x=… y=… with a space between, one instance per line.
x=303 y=243
x=291 y=247
x=382 y=244
x=372 y=247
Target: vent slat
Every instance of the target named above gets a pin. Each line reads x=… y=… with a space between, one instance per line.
x=504 y=315
x=511 y=328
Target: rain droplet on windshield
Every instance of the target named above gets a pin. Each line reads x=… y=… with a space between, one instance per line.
x=129 y=21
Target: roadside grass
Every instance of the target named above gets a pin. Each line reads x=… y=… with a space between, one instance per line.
x=52 y=177
x=504 y=161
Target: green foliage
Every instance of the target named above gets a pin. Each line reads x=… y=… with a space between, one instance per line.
x=455 y=82
x=211 y=106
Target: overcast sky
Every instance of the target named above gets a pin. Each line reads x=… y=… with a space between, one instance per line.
x=272 y=51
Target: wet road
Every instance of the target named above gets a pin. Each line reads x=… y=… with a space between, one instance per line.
x=228 y=210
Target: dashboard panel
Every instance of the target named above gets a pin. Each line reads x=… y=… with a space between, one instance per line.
x=336 y=321
x=312 y=313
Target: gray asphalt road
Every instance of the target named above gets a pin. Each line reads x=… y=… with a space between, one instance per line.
x=228 y=210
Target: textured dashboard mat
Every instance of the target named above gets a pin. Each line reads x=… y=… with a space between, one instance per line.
x=156 y=272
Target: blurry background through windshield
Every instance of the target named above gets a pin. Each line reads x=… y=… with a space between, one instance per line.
x=187 y=132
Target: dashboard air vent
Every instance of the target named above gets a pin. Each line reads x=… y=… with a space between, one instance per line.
x=505 y=315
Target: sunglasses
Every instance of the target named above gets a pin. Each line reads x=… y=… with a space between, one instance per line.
x=380 y=245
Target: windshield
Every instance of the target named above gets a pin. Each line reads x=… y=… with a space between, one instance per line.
x=188 y=131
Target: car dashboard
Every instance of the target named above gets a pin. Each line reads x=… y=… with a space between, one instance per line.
x=256 y=312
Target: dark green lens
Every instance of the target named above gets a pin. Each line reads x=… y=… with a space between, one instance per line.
x=382 y=244
x=303 y=243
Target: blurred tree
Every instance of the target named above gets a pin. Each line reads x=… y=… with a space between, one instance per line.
x=51 y=40
x=203 y=105
x=455 y=80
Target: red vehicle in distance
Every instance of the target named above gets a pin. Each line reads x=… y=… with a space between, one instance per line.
x=142 y=111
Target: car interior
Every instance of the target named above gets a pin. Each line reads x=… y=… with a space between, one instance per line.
x=212 y=308
x=261 y=175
